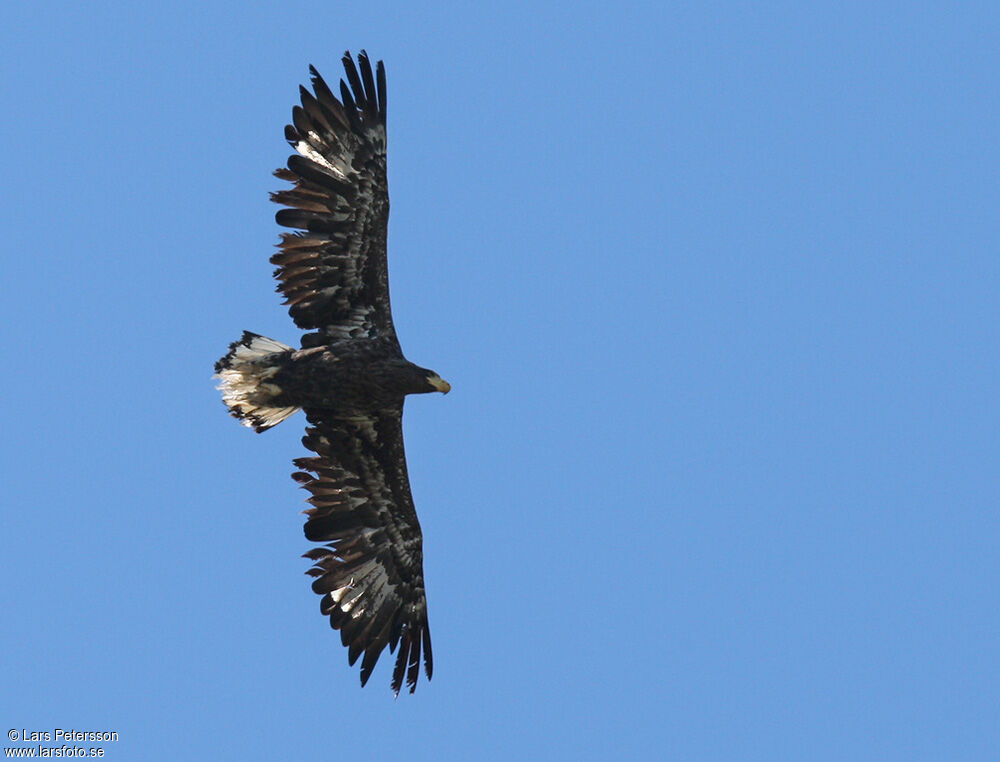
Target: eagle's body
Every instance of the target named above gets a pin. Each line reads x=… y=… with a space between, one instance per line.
x=350 y=376
x=347 y=377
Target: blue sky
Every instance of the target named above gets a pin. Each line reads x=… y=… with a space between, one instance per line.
x=715 y=285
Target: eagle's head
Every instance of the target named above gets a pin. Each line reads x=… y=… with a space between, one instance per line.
x=419 y=380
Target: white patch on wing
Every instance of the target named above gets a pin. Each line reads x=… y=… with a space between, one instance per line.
x=347 y=605
x=340 y=592
x=305 y=149
x=371 y=582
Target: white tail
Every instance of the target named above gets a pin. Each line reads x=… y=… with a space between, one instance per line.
x=244 y=379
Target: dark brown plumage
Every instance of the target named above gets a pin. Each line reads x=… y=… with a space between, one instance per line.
x=349 y=376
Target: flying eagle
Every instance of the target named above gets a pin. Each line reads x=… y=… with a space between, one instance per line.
x=349 y=376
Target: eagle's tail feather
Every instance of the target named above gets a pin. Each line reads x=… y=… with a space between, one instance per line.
x=244 y=379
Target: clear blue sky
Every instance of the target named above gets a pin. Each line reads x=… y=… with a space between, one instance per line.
x=716 y=286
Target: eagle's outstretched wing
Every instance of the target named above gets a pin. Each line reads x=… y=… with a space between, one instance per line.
x=333 y=274
x=370 y=573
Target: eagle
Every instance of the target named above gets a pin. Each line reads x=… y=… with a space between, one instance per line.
x=349 y=374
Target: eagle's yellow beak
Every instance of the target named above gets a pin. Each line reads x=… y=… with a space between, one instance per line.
x=439 y=383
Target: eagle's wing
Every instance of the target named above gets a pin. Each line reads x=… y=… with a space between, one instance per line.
x=333 y=273
x=370 y=573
